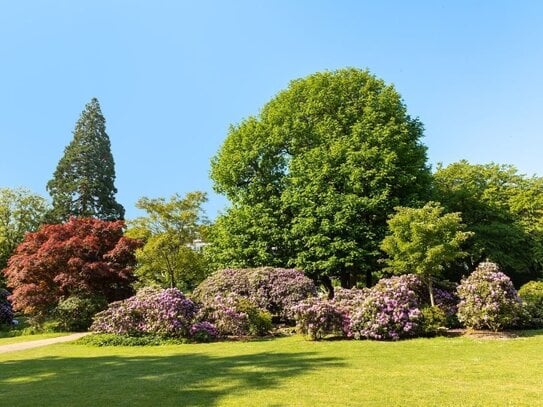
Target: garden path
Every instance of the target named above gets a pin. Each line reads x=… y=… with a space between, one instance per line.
x=42 y=342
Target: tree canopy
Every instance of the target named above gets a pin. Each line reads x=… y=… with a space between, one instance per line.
x=21 y=211
x=83 y=182
x=505 y=211
x=313 y=178
x=167 y=258
x=82 y=257
x=423 y=241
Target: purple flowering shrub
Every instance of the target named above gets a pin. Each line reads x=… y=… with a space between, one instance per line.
x=488 y=299
x=390 y=310
x=166 y=313
x=203 y=331
x=6 y=311
x=349 y=299
x=318 y=317
x=234 y=315
x=273 y=289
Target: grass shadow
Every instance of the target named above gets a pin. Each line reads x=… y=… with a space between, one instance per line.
x=178 y=380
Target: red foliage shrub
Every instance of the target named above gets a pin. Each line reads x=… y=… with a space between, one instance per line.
x=82 y=257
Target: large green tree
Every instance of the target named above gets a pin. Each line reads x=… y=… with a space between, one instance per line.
x=171 y=255
x=313 y=178
x=21 y=211
x=505 y=210
x=424 y=241
x=83 y=182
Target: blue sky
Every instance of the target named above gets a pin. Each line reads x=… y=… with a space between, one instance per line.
x=171 y=76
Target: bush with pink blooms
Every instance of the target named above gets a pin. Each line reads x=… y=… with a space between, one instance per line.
x=317 y=318
x=390 y=310
x=165 y=313
x=488 y=299
x=6 y=311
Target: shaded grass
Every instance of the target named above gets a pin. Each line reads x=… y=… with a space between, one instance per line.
x=281 y=372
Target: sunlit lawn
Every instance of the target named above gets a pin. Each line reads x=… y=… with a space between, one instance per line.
x=280 y=372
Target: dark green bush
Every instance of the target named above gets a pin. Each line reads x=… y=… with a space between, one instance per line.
x=75 y=313
x=434 y=321
x=531 y=294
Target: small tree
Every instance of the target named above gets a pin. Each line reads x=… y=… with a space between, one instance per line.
x=423 y=240
x=83 y=182
x=170 y=227
x=84 y=257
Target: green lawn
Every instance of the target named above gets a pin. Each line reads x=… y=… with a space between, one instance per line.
x=280 y=372
x=26 y=338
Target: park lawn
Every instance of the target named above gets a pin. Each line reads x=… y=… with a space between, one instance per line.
x=280 y=372
x=27 y=338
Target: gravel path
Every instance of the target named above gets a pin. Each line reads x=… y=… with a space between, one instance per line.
x=42 y=342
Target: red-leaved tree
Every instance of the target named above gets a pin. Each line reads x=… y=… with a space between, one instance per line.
x=82 y=257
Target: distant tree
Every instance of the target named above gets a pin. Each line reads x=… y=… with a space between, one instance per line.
x=168 y=258
x=313 y=178
x=423 y=241
x=84 y=257
x=83 y=182
x=21 y=211
x=505 y=211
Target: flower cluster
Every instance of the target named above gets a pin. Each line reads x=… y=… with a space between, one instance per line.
x=235 y=315
x=166 y=313
x=273 y=289
x=391 y=310
x=446 y=300
x=488 y=299
x=203 y=331
x=6 y=311
x=317 y=318
x=349 y=299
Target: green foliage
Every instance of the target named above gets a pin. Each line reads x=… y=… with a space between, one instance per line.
x=260 y=321
x=83 y=182
x=314 y=176
x=75 y=313
x=531 y=294
x=434 y=321
x=505 y=211
x=423 y=241
x=169 y=229
x=21 y=211
x=124 y=340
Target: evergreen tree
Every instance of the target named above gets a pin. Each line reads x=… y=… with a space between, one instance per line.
x=83 y=182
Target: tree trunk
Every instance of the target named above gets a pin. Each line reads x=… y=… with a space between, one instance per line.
x=369 y=279
x=431 y=292
x=327 y=283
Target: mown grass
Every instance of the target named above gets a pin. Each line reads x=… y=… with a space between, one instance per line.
x=281 y=372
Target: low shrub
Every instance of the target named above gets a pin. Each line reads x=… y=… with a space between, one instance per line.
x=488 y=299
x=75 y=313
x=273 y=289
x=531 y=294
x=165 y=313
x=234 y=315
x=203 y=332
x=389 y=311
x=124 y=340
x=317 y=318
x=6 y=311
x=433 y=321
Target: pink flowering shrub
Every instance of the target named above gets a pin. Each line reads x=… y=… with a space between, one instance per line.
x=203 y=332
x=166 y=313
x=390 y=310
x=273 y=289
x=233 y=315
x=6 y=311
x=317 y=318
x=488 y=299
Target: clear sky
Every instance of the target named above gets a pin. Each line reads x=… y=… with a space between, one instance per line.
x=171 y=76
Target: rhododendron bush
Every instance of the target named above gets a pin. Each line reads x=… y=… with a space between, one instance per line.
x=6 y=312
x=273 y=289
x=317 y=318
x=488 y=299
x=166 y=313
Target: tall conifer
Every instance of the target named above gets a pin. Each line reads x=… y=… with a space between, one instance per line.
x=83 y=182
